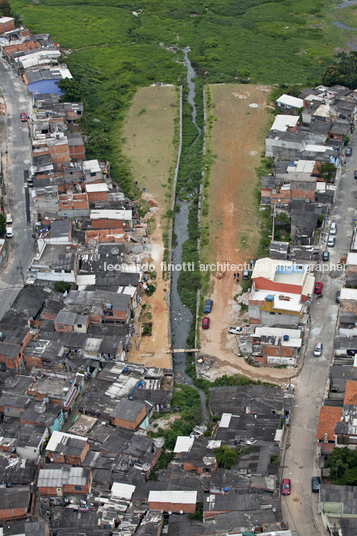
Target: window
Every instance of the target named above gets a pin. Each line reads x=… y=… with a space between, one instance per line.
x=79 y=325
x=93 y=174
x=272 y=313
x=78 y=488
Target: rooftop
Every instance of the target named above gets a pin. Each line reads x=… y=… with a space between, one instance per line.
x=287 y=302
x=328 y=418
x=283 y=122
x=13 y=498
x=127 y=410
x=350 y=394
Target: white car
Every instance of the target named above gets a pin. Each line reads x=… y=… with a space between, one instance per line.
x=333 y=228
x=9 y=232
x=235 y=330
x=318 y=349
x=331 y=241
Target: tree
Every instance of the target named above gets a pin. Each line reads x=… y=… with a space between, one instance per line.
x=71 y=89
x=226 y=456
x=2 y=225
x=327 y=171
x=340 y=461
x=61 y=286
x=283 y=218
x=5 y=8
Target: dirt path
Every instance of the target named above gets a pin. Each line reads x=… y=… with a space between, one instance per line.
x=238 y=138
x=149 y=133
x=152 y=350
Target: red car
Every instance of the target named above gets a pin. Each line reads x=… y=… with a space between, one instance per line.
x=23 y=117
x=205 y=322
x=318 y=288
x=286 y=486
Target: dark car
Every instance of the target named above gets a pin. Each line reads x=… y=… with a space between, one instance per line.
x=208 y=306
x=245 y=275
x=318 y=287
x=286 y=486
x=348 y=151
x=325 y=255
x=338 y=294
x=23 y=117
x=356 y=174
x=205 y=322
x=315 y=484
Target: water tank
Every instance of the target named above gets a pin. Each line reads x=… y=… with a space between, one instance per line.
x=226 y=490
x=108 y=305
x=286 y=337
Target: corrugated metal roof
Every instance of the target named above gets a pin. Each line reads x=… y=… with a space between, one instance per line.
x=225 y=420
x=183 y=444
x=122 y=491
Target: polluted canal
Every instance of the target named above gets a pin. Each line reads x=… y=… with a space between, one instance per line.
x=181 y=316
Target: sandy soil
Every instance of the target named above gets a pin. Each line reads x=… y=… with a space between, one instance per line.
x=151 y=351
x=238 y=138
x=149 y=131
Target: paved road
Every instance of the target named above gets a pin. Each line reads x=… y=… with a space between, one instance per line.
x=21 y=247
x=301 y=459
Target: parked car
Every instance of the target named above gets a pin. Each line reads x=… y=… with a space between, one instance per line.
x=208 y=306
x=235 y=331
x=318 y=349
x=205 y=322
x=356 y=174
x=8 y=219
x=286 y=486
x=318 y=287
x=325 y=256
x=338 y=294
x=348 y=151
x=9 y=232
x=245 y=274
x=23 y=117
x=315 y=484
x=333 y=228
x=331 y=241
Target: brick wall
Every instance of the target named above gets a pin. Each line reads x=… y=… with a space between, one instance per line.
x=32 y=361
x=80 y=201
x=27 y=45
x=169 y=507
x=106 y=235
x=59 y=153
x=7 y=26
x=93 y=197
x=77 y=152
x=130 y=425
x=64 y=328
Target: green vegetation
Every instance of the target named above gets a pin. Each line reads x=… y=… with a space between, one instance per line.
x=116 y=47
x=187 y=400
x=2 y=225
x=342 y=463
x=327 y=171
x=343 y=71
x=274 y=460
x=61 y=286
x=226 y=456
x=198 y=515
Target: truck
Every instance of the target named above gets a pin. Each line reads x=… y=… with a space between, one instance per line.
x=8 y=219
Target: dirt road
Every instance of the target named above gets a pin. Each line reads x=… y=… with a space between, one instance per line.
x=238 y=138
x=149 y=133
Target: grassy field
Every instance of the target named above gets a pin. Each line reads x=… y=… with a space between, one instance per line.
x=149 y=140
x=117 y=47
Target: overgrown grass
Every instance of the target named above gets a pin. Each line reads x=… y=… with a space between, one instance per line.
x=113 y=51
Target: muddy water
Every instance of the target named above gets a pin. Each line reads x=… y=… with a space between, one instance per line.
x=181 y=317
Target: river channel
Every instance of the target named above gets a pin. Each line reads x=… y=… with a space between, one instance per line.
x=181 y=316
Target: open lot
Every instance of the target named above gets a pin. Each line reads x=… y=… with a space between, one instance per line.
x=149 y=133
x=237 y=141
